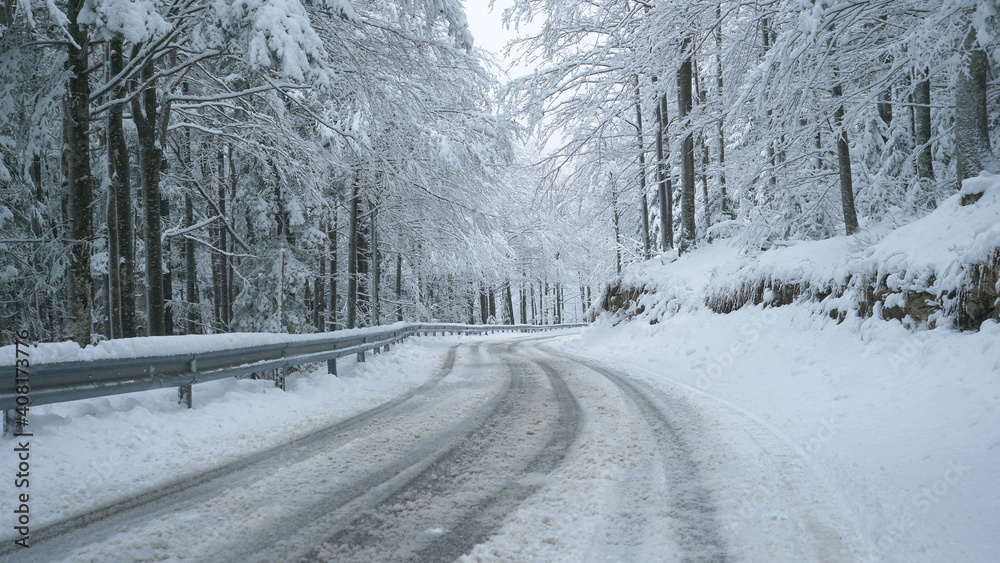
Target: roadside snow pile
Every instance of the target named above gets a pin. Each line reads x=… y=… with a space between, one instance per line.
x=940 y=270
x=898 y=426
x=93 y=452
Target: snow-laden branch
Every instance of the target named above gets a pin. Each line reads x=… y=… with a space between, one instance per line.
x=179 y=231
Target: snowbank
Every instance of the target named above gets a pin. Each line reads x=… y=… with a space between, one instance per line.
x=940 y=270
x=900 y=426
x=818 y=348
x=93 y=452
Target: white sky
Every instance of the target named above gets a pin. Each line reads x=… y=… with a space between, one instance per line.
x=490 y=33
x=486 y=24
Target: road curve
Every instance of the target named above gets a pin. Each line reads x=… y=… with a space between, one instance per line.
x=504 y=441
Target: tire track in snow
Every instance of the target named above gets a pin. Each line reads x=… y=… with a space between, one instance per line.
x=485 y=478
x=101 y=523
x=691 y=505
x=785 y=495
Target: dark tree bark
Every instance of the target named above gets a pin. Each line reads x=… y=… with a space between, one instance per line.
x=492 y=293
x=701 y=145
x=684 y=106
x=78 y=178
x=534 y=307
x=885 y=106
x=524 y=305
x=222 y=292
x=472 y=304
x=399 y=287
x=319 y=321
x=332 y=236
x=726 y=211
x=973 y=153
x=362 y=245
x=376 y=262
x=192 y=318
x=844 y=164
x=642 y=172
x=484 y=307
x=560 y=303
x=144 y=114
x=119 y=172
x=168 y=273
x=616 y=223
x=508 y=304
x=922 y=127
x=663 y=182
x=230 y=292
x=352 y=260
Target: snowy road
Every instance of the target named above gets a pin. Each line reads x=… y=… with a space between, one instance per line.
x=511 y=451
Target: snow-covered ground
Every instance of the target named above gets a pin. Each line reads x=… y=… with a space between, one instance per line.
x=902 y=422
x=86 y=454
x=877 y=443
x=902 y=425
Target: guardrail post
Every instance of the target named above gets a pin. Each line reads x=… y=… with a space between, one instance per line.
x=387 y=344
x=361 y=357
x=184 y=397
x=279 y=378
x=331 y=367
x=12 y=423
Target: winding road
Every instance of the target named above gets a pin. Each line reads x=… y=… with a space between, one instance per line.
x=507 y=447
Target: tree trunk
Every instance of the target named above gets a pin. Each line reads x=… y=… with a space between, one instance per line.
x=493 y=304
x=362 y=245
x=168 y=273
x=844 y=164
x=119 y=172
x=332 y=236
x=484 y=306
x=144 y=114
x=352 y=260
x=472 y=305
x=559 y=303
x=684 y=106
x=399 y=287
x=726 y=212
x=663 y=183
x=215 y=257
x=701 y=145
x=320 y=319
x=193 y=319
x=509 y=304
x=615 y=223
x=642 y=172
x=524 y=305
x=376 y=314
x=223 y=294
x=973 y=153
x=230 y=292
x=78 y=178
x=534 y=307
x=922 y=128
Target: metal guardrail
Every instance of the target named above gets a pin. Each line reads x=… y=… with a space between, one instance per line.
x=71 y=381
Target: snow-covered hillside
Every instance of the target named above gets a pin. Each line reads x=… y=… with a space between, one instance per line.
x=940 y=270
x=899 y=417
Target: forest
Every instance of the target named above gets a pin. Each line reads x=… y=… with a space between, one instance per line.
x=195 y=167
